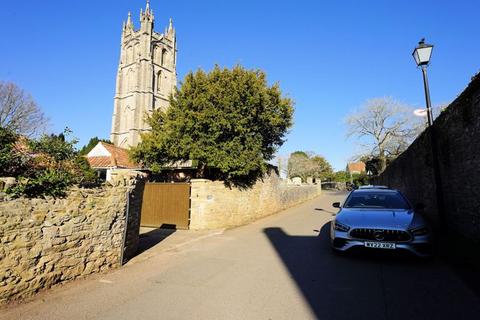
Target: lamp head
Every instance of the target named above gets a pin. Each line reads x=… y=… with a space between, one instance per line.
x=422 y=53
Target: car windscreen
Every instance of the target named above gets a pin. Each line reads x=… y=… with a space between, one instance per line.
x=380 y=200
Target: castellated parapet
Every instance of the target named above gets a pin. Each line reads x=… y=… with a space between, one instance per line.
x=146 y=77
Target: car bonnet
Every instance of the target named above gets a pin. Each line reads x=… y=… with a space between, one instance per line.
x=376 y=218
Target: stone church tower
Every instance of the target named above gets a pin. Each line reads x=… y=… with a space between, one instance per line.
x=146 y=77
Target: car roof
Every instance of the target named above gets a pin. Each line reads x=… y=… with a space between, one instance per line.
x=381 y=190
x=370 y=186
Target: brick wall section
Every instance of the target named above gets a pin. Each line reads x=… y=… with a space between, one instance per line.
x=47 y=241
x=213 y=205
x=458 y=133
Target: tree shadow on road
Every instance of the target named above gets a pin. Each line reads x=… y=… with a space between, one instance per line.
x=371 y=285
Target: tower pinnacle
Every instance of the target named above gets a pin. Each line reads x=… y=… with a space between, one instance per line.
x=148 y=14
x=129 y=20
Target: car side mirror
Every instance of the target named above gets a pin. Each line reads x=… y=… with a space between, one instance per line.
x=420 y=206
x=336 y=204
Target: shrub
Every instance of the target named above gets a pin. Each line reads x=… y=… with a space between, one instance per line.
x=12 y=162
x=86 y=176
x=49 y=182
x=53 y=165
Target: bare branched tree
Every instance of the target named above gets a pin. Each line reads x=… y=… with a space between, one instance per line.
x=19 y=112
x=384 y=127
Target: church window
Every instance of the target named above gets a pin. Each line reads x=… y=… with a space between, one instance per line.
x=134 y=52
x=159 y=81
x=129 y=54
x=164 y=57
x=157 y=55
x=131 y=79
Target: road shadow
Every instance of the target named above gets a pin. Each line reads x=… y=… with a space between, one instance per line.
x=153 y=237
x=463 y=256
x=371 y=285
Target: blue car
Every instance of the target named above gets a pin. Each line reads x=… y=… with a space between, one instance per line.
x=380 y=218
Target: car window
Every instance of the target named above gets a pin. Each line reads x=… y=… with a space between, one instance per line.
x=383 y=200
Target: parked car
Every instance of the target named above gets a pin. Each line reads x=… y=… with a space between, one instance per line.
x=380 y=218
x=369 y=186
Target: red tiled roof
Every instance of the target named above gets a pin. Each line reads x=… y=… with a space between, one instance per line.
x=100 y=162
x=119 y=158
x=356 y=167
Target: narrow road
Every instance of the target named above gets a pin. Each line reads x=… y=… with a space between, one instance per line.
x=276 y=268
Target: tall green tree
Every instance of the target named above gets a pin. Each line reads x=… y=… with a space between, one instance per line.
x=228 y=119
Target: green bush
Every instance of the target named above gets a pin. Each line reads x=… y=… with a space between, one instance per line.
x=86 y=177
x=47 y=182
x=55 y=146
x=12 y=162
x=52 y=166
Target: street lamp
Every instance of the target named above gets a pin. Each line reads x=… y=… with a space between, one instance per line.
x=422 y=54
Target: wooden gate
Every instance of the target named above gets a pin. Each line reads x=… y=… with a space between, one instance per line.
x=166 y=204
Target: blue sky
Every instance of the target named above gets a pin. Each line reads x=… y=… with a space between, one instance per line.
x=329 y=56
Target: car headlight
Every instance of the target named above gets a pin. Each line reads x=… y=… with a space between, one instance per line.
x=419 y=231
x=341 y=227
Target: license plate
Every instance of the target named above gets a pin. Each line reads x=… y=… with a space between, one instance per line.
x=379 y=245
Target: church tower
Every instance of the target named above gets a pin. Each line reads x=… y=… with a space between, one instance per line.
x=146 y=77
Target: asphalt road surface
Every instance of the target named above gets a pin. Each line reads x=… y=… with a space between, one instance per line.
x=276 y=268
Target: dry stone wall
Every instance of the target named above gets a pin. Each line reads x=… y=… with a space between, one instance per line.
x=47 y=241
x=458 y=138
x=213 y=205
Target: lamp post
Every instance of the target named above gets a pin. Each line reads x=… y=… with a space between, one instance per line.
x=422 y=54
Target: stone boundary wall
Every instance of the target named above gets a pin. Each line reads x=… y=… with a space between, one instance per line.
x=458 y=137
x=47 y=241
x=213 y=205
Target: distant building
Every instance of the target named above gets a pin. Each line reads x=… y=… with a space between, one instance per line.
x=356 y=167
x=146 y=77
x=106 y=157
